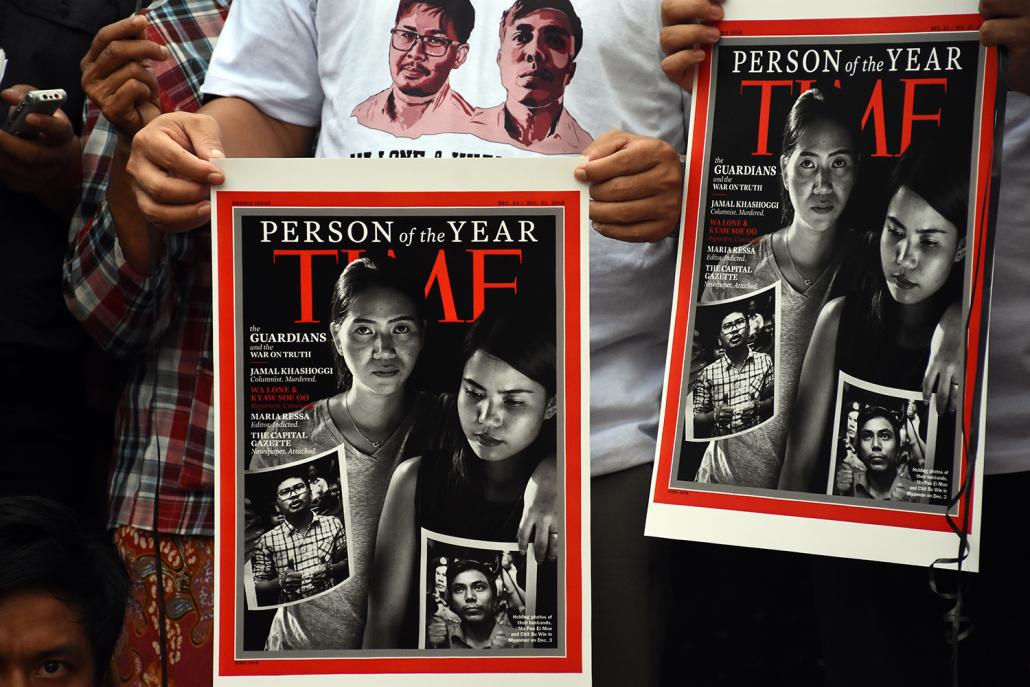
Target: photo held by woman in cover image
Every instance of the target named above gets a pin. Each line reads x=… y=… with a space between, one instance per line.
x=401 y=399
x=824 y=386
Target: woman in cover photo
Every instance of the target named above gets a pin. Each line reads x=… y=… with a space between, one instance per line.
x=377 y=330
x=882 y=332
x=810 y=255
x=503 y=424
x=815 y=257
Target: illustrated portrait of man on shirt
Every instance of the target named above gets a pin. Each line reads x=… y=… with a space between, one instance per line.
x=472 y=597
x=428 y=42
x=302 y=556
x=736 y=391
x=540 y=40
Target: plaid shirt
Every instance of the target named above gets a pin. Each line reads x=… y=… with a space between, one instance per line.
x=722 y=383
x=162 y=321
x=284 y=547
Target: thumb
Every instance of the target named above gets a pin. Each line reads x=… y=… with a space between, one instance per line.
x=183 y=144
x=14 y=94
x=608 y=144
x=205 y=137
x=148 y=111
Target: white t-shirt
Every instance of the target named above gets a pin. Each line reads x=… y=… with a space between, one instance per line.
x=1008 y=389
x=328 y=63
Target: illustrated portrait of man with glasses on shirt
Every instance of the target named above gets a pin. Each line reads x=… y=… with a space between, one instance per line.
x=427 y=42
x=302 y=556
x=736 y=391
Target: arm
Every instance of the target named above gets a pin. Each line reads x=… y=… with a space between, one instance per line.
x=124 y=297
x=393 y=565
x=516 y=596
x=708 y=414
x=767 y=397
x=844 y=480
x=539 y=524
x=947 y=360
x=1008 y=25
x=118 y=82
x=337 y=566
x=171 y=166
x=763 y=408
x=814 y=402
x=123 y=309
x=268 y=581
x=683 y=36
x=918 y=457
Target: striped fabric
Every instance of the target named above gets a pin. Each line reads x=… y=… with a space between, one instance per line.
x=162 y=321
x=284 y=548
x=722 y=383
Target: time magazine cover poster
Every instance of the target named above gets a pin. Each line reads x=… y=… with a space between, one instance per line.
x=400 y=372
x=824 y=385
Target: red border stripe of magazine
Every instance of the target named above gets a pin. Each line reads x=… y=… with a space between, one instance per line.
x=572 y=662
x=775 y=505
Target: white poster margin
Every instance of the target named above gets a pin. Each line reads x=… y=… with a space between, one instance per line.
x=741 y=10
x=823 y=537
x=550 y=174
x=807 y=535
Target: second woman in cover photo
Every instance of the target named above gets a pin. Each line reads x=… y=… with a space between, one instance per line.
x=503 y=426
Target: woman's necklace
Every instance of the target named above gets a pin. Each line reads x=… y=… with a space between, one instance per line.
x=794 y=266
x=376 y=445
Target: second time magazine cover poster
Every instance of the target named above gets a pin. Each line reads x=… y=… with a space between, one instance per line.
x=827 y=329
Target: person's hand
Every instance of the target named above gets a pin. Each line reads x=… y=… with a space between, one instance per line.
x=539 y=526
x=844 y=479
x=436 y=633
x=115 y=74
x=747 y=411
x=321 y=574
x=901 y=491
x=500 y=640
x=171 y=169
x=636 y=184
x=947 y=349
x=1008 y=24
x=684 y=35
x=31 y=165
x=290 y=581
x=723 y=415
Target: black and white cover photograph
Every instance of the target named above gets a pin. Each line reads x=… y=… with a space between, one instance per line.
x=733 y=366
x=296 y=532
x=838 y=188
x=419 y=396
x=480 y=595
x=884 y=446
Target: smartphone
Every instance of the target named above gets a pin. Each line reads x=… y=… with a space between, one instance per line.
x=42 y=101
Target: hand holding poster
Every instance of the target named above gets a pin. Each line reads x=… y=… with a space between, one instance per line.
x=399 y=356
x=834 y=262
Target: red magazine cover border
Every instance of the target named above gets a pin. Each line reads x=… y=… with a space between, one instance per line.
x=228 y=665
x=783 y=505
